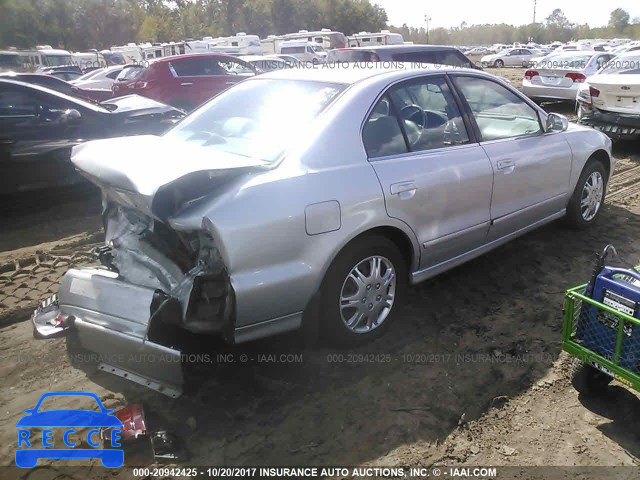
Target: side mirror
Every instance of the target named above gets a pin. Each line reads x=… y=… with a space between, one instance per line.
x=556 y=123
x=71 y=117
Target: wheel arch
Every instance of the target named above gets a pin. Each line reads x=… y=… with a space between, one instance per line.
x=603 y=157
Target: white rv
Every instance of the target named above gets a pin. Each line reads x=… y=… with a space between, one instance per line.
x=239 y=44
x=91 y=59
x=367 y=39
x=325 y=37
x=44 y=56
x=131 y=52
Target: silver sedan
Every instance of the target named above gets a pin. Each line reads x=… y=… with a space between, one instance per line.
x=314 y=197
x=559 y=76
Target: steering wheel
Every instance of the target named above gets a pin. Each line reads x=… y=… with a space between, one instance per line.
x=414 y=113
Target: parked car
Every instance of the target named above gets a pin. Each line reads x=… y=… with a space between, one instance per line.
x=435 y=54
x=185 y=81
x=356 y=181
x=478 y=51
x=303 y=51
x=559 y=76
x=39 y=126
x=510 y=57
x=67 y=75
x=610 y=100
x=58 y=85
x=100 y=79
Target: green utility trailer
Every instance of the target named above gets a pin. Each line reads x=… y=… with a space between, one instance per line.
x=604 y=343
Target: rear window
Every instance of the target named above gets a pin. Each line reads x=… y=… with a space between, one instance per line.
x=568 y=62
x=352 y=56
x=130 y=73
x=623 y=65
x=439 y=57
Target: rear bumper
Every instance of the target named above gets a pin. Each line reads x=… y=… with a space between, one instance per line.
x=615 y=125
x=545 y=92
x=112 y=318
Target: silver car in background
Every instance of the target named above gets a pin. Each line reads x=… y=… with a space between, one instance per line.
x=314 y=197
x=510 y=57
x=558 y=76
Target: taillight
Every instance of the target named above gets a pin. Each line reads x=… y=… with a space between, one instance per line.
x=594 y=92
x=576 y=77
x=529 y=74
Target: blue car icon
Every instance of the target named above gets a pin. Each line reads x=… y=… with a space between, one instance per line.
x=69 y=419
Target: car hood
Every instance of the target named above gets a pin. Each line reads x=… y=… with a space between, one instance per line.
x=69 y=418
x=157 y=175
x=135 y=104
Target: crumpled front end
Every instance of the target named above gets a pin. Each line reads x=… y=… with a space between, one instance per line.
x=617 y=126
x=153 y=280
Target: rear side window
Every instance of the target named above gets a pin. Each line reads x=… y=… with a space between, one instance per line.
x=14 y=102
x=197 y=67
x=292 y=50
x=418 y=57
x=382 y=135
x=352 y=56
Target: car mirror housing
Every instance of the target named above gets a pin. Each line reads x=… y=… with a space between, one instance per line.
x=71 y=117
x=556 y=123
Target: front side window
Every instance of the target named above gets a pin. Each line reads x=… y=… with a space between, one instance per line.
x=499 y=112
x=429 y=119
x=258 y=119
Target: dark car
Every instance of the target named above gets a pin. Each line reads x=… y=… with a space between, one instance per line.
x=58 y=85
x=185 y=81
x=39 y=126
x=435 y=54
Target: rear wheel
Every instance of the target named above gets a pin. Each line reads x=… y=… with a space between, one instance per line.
x=586 y=202
x=362 y=291
x=586 y=379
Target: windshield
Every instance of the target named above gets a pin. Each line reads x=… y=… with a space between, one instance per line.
x=568 y=62
x=317 y=48
x=57 y=60
x=113 y=58
x=257 y=119
x=623 y=65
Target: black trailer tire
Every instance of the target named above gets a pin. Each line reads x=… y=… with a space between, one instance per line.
x=586 y=379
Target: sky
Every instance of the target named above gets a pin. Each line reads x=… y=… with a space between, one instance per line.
x=453 y=13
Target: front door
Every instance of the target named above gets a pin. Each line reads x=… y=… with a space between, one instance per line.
x=532 y=168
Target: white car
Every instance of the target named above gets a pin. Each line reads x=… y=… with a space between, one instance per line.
x=511 y=57
x=610 y=101
x=559 y=75
x=100 y=79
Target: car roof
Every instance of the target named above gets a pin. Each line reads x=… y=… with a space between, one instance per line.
x=350 y=73
x=191 y=55
x=55 y=93
x=402 y=48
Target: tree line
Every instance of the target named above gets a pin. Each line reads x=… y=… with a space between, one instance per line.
x=82 y=24
x=556 y=27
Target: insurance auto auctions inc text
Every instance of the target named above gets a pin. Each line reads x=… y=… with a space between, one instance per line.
x=378 y=472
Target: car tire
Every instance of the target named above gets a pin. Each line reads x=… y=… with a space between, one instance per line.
x=372 y=314
x=499 y=64
x=590 y=190
x=586 y=379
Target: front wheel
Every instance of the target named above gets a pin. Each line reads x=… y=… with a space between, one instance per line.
x=588 y=197
x=362 y=291
x=499 y=64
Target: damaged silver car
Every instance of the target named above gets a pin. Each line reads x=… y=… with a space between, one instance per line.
x=316 y=196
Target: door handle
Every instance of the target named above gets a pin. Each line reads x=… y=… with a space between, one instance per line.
x=408 y=188
x=504 y=164
x=186 y=84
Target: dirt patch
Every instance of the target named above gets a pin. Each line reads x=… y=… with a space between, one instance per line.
x=471 y=373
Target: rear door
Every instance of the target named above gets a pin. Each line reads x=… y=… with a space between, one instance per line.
x=532 y=168
x=435 y=178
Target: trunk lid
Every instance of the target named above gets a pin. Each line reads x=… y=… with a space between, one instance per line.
x=156 y=175
x=619 y=93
